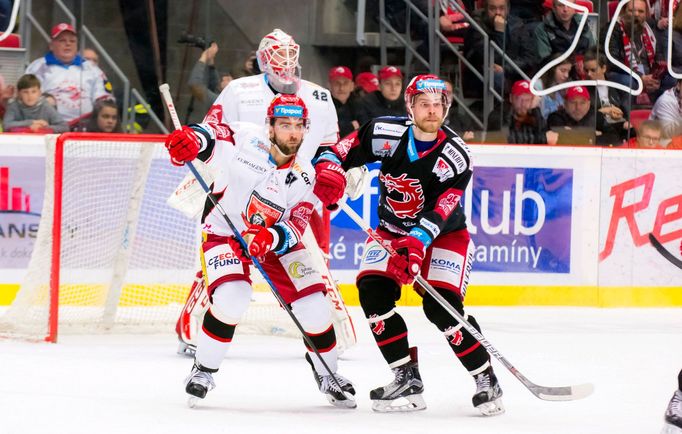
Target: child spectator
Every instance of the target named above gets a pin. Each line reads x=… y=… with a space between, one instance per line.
x=104 y=118
x=648 y=136
x=30 y=112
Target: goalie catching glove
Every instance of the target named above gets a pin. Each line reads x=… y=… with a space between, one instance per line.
x=183 y=146
x=405 y=266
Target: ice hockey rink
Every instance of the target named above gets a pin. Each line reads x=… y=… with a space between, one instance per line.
x=134 y=383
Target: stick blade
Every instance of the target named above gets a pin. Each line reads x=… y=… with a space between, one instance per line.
x=565 y=393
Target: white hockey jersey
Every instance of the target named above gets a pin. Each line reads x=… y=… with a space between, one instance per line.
x=76 y=87
x=246 y=99
x=249 y=182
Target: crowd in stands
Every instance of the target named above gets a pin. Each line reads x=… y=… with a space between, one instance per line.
x=66 y=90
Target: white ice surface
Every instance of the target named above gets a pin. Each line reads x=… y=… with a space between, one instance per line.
x=100 y=384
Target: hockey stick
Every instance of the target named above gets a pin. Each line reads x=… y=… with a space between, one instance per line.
x=562 y=393
x=664 y=252
x=168 y=100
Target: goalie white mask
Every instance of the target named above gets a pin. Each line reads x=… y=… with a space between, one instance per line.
x=278 y=58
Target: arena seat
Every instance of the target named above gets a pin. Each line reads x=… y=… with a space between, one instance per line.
x=637 y=116
x=11 y=41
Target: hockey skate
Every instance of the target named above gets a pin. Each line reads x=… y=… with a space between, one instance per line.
x=198 y=383
x=673 y=415
x=343 y=397
x=404 y=393
x=488 y=396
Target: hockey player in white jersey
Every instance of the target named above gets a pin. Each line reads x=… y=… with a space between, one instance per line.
x=246 y=99
x=267 y=192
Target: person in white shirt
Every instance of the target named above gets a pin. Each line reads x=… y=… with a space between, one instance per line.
x=75 y=83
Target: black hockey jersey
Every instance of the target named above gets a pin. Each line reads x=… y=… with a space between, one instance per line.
x=420 y=193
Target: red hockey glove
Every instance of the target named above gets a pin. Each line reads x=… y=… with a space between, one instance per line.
x=260 y=240
x=408 y=262
x=183 y=146
x=238 y=250
x=330 y=182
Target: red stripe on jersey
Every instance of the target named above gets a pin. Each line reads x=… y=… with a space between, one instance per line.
x=393 y=339
x=468 y=350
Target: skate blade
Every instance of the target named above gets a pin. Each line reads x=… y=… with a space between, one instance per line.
x=192 y=401
x=492 y=408
x=342 y=403
x=402 y=404
x=671 y=429
x=186 y=349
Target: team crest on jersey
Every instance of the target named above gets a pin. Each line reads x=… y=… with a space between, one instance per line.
x=409 y=190
x=377 y=327
x=447 y=204
x=214 y=118
x=443 y=170
x=263 y=212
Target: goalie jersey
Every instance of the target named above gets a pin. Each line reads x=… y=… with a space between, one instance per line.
x=248 y=183
x=246 y=99
x=420 y=193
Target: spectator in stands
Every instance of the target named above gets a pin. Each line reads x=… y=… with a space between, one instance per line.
x=50 y=99
x=341 y=87
x=676 y=58
x=579 y=124
x=91 y=55
x=520 y=117
x=530 y=12
x=104 y=118
x=558 y=30
x=246 y=67
x=640 y=53
x=387 y=101
x=75 y=83
x=365 y=83
x=558 y=74
x=613 y=103
x=508 y=33
x=667 y=110
x=205 y=83
x=6 y=93
x=460 y=123
x=452 y=22
x=648 y=136
x=29 y=112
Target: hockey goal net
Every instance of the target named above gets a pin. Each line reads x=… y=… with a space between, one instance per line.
x=110 y=254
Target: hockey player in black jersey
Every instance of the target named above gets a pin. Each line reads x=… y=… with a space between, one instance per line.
x=425 y=169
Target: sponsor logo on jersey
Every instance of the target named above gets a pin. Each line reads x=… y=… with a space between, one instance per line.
x=375 y=255
x=430 y=226
x=443 y=170
x=447 y=204
x=456 y=157
x=258 y=144
x=297 y=167
x=378 y=327
x=386 y=129
x=223 y=260
x=302 y=211
x=382 y=147
x=446 y=265
x=299 y=270
x=251 y=165
x=455 y=338
x=262 y=212
x=290 y=178
x=464 y=147
x=409 y=191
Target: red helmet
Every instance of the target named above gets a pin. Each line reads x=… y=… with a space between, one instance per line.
x=427 y=84
x=287 y=106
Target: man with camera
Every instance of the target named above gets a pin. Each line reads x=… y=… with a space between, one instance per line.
x=205 y=82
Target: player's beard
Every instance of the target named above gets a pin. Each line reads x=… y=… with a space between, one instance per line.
x=429 y=124
x=287 y=147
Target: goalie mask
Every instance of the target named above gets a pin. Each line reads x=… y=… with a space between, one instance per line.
x=427 y=84
x=278 y=58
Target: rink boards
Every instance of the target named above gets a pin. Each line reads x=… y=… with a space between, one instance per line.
x=551 y=225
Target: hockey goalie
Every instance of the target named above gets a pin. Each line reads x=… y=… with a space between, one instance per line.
x=246 y=99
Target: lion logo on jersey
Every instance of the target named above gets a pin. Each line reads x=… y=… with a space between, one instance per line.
x=412 y=195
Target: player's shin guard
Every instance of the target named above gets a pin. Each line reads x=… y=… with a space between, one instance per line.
x=213 y=341
x=470 y=352
x=377 y=298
